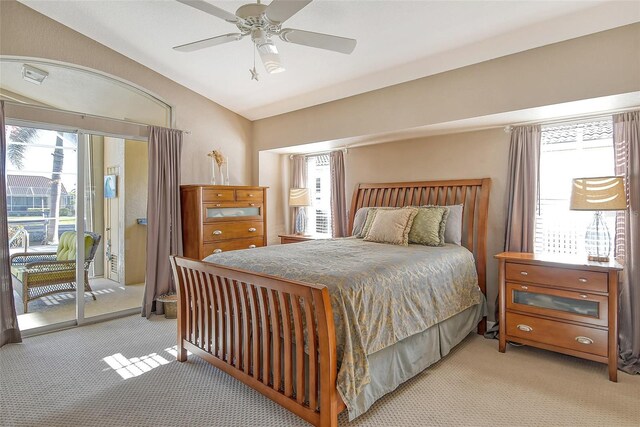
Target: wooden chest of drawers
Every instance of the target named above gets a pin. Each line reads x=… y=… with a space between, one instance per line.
x=566 y=305
x=217 y=218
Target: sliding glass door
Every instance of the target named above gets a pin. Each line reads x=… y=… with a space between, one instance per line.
x=72 y=229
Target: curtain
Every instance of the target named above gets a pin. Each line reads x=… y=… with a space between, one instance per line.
x=9 y=331
x=522 y=191
x=338 y=198
x=164 y=226
x=626 y=140
x=522 y=188
x=298 y=180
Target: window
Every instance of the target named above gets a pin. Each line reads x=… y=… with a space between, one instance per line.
x=319 y=215
x=570 y=151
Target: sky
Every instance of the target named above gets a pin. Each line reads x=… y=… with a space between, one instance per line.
x=39 y=158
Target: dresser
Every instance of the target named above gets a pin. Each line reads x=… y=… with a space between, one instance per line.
x=217 y=218
x=563 y=304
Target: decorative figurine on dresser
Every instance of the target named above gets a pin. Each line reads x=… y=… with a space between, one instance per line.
x=563 y=304
x=217 y=218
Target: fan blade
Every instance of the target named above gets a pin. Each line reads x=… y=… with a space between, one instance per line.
x=281 y=10
x=213 y=41
x=270 y=58
x=319 y=40
x=210 y=9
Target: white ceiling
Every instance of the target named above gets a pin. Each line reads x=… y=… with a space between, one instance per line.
x=397 y=41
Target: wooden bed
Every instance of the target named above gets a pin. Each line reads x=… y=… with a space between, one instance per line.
x=226 y=316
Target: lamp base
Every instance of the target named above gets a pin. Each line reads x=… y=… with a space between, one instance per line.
x=598 y=258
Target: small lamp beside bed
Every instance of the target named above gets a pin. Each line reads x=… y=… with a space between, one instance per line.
x=300 y=198
x=598 y=194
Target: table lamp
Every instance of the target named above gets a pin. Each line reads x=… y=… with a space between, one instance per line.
x=598 y=194
x=300 y=198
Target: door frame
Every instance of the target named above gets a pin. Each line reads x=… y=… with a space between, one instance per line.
x=83 y=136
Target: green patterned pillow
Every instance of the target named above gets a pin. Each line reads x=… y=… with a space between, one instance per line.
x=429 y=226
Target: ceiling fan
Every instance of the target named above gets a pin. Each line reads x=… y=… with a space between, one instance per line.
x=261 y=22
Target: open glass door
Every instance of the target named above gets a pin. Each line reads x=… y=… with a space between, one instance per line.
x=76 y=208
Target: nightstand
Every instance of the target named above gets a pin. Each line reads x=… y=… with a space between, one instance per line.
x=296 y=238
x=559 y=303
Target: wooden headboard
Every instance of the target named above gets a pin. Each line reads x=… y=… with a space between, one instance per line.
x=472 y=193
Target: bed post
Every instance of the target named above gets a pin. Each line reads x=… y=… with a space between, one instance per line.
x=181 y=315
x=328 y=359
x=481 y=257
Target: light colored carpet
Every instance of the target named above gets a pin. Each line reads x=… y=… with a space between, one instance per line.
x=77 y=378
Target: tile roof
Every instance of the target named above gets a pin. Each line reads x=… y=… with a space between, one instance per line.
x=602 y=129
x=30 y=185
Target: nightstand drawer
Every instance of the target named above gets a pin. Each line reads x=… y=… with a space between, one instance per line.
x=231 y=230
x=565 y=335
x=567 y=305
x=554 y=276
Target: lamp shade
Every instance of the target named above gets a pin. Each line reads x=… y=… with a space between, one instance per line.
x=598 y=194
x=299 y=197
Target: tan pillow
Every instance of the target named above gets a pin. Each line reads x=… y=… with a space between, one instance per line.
x=391 y=226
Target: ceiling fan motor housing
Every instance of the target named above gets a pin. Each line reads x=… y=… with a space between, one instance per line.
x=252 y=17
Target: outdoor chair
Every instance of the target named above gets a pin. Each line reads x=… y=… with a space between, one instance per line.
x=47 y=273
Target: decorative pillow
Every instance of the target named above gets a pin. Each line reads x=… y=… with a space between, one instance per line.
x=370 y=215
x=453 y=229
x=391 y=226
x=359 y=220
x=429 y=226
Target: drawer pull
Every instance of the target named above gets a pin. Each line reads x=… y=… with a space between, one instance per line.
x=582 y=280
x=524 y=287
x=219 y=195
x=252 y=246
x=584 y=296
x=524 y=273
x=217 y=251
x=526 y=328
x=252 y=204
x=218 y=204
x=250 y=195
x=252 y=230
x=584 y=340
x=217 y=232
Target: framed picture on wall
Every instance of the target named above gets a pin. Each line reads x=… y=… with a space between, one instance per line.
x=110 y=186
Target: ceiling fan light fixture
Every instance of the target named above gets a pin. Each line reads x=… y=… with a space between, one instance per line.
x=267 y=47
x=272 y=63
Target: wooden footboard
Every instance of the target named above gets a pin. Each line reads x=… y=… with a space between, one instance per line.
x=251 y=325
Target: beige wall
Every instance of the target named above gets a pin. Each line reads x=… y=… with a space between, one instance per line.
x=273 y=174
x=24 y=32
x=135 y=200
x=601 y=64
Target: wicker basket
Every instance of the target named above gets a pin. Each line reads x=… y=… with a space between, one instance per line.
x=170 y=302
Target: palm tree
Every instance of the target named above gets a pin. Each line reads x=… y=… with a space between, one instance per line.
x=16 y=154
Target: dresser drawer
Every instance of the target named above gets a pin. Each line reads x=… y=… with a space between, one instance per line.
x=232 y=230
x=212 y=195
x=232 y=211
x=243 y=195
x=554 y=276
x=558 y=303
x=565 y=335
x=232 y=245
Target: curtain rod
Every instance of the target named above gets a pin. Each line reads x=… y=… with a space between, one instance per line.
x=83 y=115
x=572 y=119
x=345 y=150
